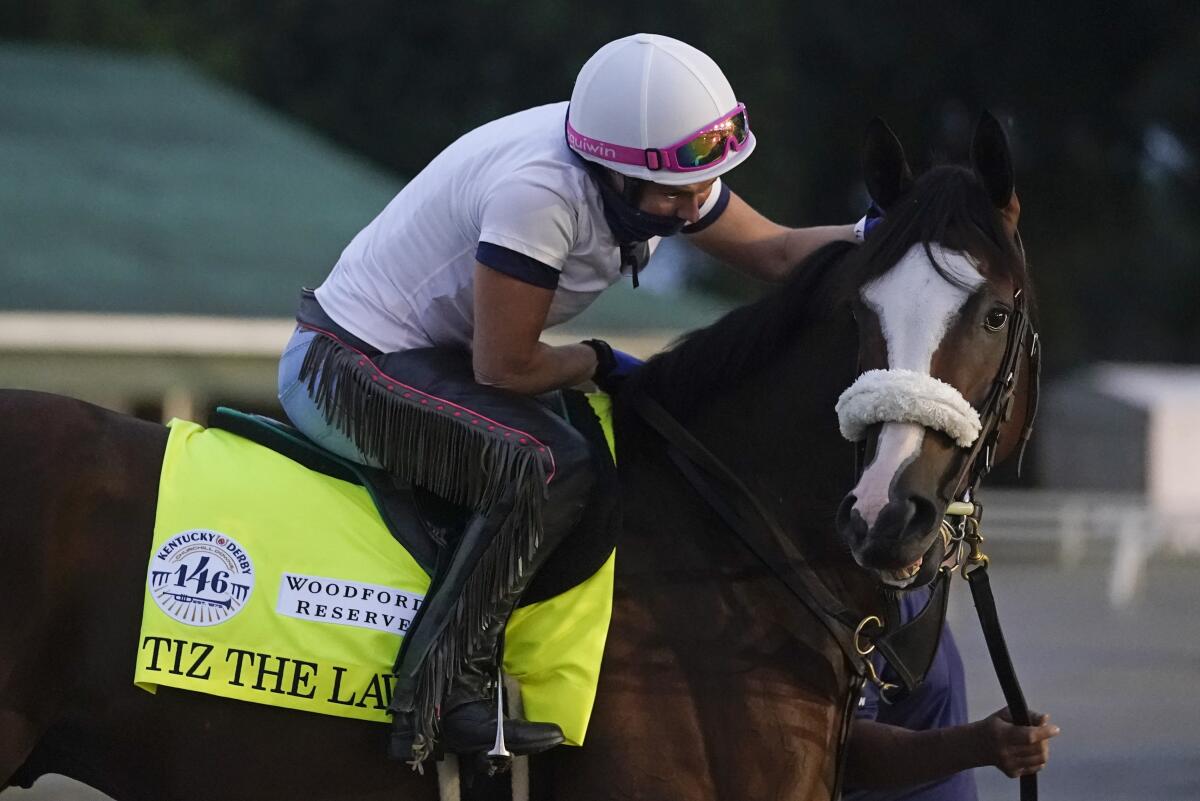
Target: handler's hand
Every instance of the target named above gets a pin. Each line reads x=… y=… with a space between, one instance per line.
x=1016 y=750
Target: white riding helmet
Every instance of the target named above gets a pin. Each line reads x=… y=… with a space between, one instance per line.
x=647 y=93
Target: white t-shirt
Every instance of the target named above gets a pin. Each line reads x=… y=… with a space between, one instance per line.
x=405 y=281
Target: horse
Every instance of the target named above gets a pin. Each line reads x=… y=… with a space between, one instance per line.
x=716 y=683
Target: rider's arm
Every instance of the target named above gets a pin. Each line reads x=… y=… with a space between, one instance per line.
x=745 y=239
x=506 y=352
x=526 y=232
x=882 y=756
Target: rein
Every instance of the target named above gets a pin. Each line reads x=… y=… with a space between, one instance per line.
x=766 y=540
x=857 y=637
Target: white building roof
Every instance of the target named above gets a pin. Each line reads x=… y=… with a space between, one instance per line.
x=1149 y=385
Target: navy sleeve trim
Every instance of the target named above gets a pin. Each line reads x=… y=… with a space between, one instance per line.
x=710 y=218
x=517 y=265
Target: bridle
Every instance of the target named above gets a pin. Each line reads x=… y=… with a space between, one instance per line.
x=911 y=644
x=961 y=525
x=1001 y=399
x=998 y=409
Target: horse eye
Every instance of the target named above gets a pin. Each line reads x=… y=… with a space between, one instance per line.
x=996 y=319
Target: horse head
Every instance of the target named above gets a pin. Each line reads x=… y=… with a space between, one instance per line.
x=940 y=298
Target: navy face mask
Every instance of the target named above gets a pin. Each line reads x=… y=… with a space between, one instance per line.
x=630 y=224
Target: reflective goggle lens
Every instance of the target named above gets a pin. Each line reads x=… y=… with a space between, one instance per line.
x=710 y=146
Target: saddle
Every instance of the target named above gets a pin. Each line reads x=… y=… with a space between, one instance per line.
x=423 y=523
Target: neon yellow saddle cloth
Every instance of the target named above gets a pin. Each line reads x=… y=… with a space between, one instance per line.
x=275 y=584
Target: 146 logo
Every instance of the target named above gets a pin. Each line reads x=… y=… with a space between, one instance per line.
x=201 y=577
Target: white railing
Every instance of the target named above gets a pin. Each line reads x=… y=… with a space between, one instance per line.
x=1076 y=523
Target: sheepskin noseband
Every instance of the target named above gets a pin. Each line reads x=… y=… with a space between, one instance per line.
x=906 y=396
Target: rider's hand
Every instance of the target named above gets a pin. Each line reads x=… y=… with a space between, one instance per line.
x=612 y=366
x=1016 y=750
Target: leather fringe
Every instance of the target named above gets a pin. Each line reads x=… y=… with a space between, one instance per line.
x=462 y=463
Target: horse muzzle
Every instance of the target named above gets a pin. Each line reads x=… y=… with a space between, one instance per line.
x=890 y=519
x=901 y=546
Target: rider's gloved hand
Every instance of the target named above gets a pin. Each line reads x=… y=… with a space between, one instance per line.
x=863 y=228
x=612 y=366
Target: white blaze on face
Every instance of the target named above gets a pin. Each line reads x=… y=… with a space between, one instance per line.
x=915 y=306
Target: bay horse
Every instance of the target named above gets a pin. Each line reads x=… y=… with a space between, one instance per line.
x=716 y=684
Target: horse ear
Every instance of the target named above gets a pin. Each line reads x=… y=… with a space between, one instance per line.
x=885 y=168
x=992 y=160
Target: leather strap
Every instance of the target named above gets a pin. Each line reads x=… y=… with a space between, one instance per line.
x=774 y=550
x=998 y=406
x=989 y=621
x=839 y=771
x=909 y=649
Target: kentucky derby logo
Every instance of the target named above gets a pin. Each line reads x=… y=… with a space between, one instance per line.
x=201 y=577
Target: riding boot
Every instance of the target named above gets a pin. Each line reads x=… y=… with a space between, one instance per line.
x=446 y=668
x=467 y=721
x=468 y=712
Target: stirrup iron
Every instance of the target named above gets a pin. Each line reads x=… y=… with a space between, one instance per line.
x=499 y=749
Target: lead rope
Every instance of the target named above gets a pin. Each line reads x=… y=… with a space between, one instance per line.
x=974 y=570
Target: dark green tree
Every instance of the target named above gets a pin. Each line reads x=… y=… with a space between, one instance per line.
x=1099 y=99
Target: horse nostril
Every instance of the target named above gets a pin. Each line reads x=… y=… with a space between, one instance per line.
x=924 y=516
x=894 y=520
x=843 y=511
x=849 y=522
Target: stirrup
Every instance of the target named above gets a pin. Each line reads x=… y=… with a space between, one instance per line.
x=499 y=758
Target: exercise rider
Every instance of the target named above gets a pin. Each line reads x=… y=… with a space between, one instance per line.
x=421 y=351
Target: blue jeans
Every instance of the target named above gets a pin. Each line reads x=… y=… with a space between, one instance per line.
x=569 y=451
x=302 y=410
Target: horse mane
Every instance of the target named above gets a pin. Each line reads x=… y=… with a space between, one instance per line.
x=743 y=341
x=948 y=205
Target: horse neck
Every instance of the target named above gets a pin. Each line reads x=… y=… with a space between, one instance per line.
x=777 y=431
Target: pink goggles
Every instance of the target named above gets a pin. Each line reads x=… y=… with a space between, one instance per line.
x=703 y=148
